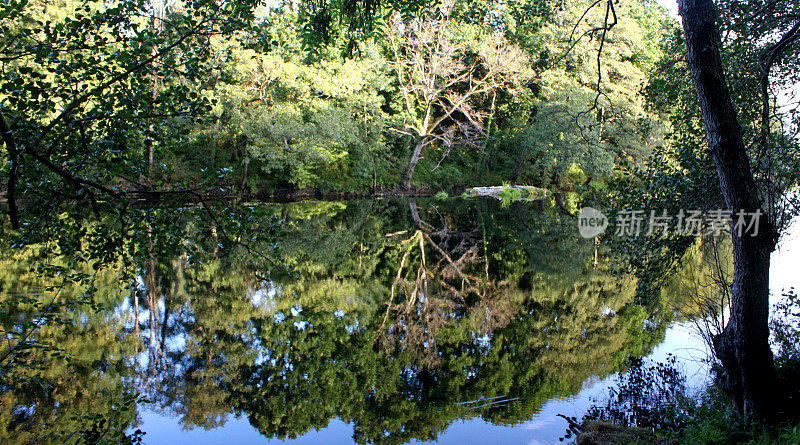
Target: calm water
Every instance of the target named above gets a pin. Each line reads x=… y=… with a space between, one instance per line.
x=380 y=321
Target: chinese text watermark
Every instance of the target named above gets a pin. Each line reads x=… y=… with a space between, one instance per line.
x=633 y=223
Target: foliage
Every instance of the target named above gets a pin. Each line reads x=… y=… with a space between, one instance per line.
x=598 y=124
x=446 y=72
x=648 y=395
x=306 y=123
x=785 y=329
x=214 y=338
x=655 y=396
x=350 y=22
x=239 y=104
x=90 y=89
x=121 y=121
x=718 y=422
x=712 y=419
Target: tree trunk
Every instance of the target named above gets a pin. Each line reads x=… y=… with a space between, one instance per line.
x=13 y=173
x=150 y=156
x=412 y=205
x=136 y=310
x=748 y=373
x=374 y=176
x=412 y=164
x=157 y=25
x=243 y=186
x=515 y=173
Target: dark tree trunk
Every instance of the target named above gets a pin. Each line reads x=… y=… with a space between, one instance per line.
x=243 y=185
x=412 y=164
x=13 y=173
x=515 y=173
x=743 y=347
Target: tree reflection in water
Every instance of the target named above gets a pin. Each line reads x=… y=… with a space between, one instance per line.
x=396 y=317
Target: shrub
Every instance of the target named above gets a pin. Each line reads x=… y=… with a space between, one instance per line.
x=649 y=395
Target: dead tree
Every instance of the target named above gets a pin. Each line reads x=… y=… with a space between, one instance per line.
x=441 y=81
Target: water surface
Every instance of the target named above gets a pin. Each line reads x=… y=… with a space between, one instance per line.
x=379 y=322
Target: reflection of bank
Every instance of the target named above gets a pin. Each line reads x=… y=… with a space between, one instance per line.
x=547 y=427
x=504 y=296
x=500 y=298
x=559 y=330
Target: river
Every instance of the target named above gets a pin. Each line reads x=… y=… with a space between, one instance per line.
x=441 y=321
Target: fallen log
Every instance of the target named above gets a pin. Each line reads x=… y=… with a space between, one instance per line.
x=512 y=192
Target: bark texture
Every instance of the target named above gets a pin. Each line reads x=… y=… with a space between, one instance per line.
x=13 y=173
x=412 y=164
x=748 y=373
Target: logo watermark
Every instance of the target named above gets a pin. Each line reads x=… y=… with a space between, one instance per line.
x=591 y=222
x=633 y=223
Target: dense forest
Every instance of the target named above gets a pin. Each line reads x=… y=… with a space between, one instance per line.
x=140 y=136
x=486 y=94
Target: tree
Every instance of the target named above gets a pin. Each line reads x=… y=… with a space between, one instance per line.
x=580 y=115
x=306 y=122
x=443 y=71
x=77 y=114
x=743 y=346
